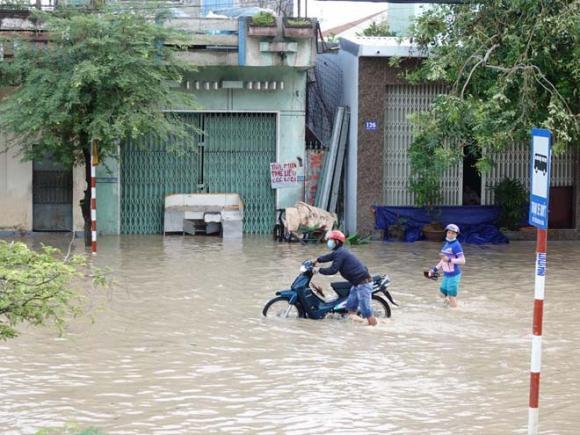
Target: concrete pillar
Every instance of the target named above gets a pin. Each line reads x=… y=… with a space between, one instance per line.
x=79 y=186
x=371 y=113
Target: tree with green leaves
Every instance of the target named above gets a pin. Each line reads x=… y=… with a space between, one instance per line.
x=511 y=65
x=377 y=29
x=104 y=78
x=36 y=287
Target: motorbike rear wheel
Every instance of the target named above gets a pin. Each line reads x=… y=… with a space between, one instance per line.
x=279 y=307
x=380 y=307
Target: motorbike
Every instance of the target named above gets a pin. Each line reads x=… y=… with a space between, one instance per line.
x=305 y=300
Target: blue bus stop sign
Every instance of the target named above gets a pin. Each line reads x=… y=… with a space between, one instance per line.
x=540 y=164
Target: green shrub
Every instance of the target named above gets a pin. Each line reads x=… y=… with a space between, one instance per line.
x=298 y=22
x=36 y=287
x=70 y=429
x=357 y=239
x=380 y=29
x=511 y=196
x=264 y=19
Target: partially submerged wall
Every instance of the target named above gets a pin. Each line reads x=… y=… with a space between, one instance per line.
x=374 y=76
x=15 y=190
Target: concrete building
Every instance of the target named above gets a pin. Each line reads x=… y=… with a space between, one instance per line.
x=380 y=133
x=251 y=90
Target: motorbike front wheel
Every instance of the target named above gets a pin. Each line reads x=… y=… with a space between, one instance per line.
x=380 y=307
x=280 y=307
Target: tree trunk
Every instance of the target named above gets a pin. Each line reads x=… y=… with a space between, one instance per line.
x=86 y=201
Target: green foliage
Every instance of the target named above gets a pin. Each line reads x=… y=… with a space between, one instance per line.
x=356 y=239
x=14 y=5
x=35 y=287
x=377 y=29
x=395 y=61
x=510 y=66
x=70 y=429
x=431 y=152
x=332 y=38
x=511 y=196
x=104 y=77
x=298 y=22
x=264 y=19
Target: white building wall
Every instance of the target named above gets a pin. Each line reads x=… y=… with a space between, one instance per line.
x=15 y=191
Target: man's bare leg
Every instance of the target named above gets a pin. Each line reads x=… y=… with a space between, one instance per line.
x=352 y=315
x=453 y=302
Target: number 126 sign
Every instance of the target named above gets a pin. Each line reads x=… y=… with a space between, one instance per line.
x=540 y=177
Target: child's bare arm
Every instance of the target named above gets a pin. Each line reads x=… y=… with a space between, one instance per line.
x=439 y=265
x=435 y=269
x=460 y=259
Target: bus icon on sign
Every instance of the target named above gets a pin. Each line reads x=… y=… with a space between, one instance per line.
x=540 y=163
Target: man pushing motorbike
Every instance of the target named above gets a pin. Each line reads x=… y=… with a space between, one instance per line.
x=351 y=269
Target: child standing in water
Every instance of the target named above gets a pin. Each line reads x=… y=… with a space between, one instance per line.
x=451 y=258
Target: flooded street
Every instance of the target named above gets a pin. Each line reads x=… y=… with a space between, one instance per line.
x=179 y=346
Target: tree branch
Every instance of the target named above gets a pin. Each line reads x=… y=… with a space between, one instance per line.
x=483 y=60
x=28 y=284
x=12 y=307
x=473 y=55
x=66 y=257
x=551 y=89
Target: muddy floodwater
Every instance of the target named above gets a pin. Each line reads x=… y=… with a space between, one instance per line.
x=179 y=346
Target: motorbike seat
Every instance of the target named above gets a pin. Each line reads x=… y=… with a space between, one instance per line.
x=327 y=298
x=343 y=287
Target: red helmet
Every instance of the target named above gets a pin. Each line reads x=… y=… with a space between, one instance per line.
x=336 y=235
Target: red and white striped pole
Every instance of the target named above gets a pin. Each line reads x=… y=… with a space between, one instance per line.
x=536 y=363
x=93 y=199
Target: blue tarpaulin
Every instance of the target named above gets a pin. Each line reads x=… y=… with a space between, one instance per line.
x=477 y=223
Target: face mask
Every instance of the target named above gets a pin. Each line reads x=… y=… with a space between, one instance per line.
x=331 y=244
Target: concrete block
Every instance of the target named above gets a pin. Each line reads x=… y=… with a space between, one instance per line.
x=189 y=227
x=193 y=215
x=213 y=228
x=232 y=229
x=173 y=221
x=212 y=217
x=203 y=212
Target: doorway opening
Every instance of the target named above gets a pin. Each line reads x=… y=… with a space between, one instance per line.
x=51 y=196
x=471 y=177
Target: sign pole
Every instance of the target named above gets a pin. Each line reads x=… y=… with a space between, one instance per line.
x=94 y=159
x=536 y=363
x=540 y=166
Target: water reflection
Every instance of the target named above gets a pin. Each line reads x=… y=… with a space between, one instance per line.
x=179 y=347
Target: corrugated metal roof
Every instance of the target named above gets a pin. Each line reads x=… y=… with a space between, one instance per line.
x=381 y=46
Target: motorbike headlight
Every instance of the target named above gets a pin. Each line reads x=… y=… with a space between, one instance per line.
x=302 y=269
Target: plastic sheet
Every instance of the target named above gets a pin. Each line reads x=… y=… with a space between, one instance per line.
x=477 y=223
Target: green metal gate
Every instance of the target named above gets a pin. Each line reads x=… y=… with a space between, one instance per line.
x=149 y=172
x=237 y=155
x=231 y=155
